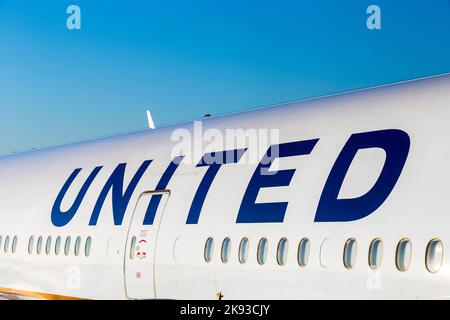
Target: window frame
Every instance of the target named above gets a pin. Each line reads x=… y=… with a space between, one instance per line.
x=225 y=251
x=369 y=257
x=77 y=246
x=67 y=245
x=350 y=243
x=243 y=245
x=281 y=262
x=87 y=246
x=306 y=260
x=58 y=245
x=31 y=244
x=6 y=244
x=266 y=249
x=402 y=240
x=441 y=255
x=48 y=245
x=208 y=250
x=39 y=245
x=14 y=244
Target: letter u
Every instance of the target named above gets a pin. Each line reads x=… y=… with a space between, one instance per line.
x=61 y=218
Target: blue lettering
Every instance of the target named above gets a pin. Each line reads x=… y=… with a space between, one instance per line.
x=119 y=198
x=396 y=144
x=214 y=160
x=162 y=184
x=61 y=218
x=252 y=212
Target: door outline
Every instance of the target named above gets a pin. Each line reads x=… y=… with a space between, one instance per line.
x=127 y=241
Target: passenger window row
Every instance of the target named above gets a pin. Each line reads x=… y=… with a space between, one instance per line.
x=56 y=246
x=403 y=255
x=7 y=243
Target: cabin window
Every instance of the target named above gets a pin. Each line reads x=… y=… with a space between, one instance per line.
x=243 y=251
x=434 y=255
x=209 y=246
x=67 y=246
x=226 y=246
x=39 y=245
x=30 y=245
x=303 y=252
x=133 y=247
x=57 y=245
x=375 y=254
x=6 y=244
x=262 y=251
x=403 y=254
x=87 y=247
x=77 y=246
x=326 y=252
x=282 y=251
x=350 y=253
x=14 y=245
x=48 y=245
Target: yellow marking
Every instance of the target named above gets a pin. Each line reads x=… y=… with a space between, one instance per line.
x=38 y=295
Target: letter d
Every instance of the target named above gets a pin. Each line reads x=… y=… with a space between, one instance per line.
x=396 y=144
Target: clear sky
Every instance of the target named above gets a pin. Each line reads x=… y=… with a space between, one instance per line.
x=183 y=59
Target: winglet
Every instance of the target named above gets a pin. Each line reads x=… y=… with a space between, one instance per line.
x=151 y=124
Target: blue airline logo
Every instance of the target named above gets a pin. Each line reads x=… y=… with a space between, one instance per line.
x=395 y=143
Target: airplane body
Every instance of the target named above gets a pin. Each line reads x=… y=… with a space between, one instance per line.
x=353 y=204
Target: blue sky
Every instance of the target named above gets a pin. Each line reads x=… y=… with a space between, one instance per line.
x=183 y=59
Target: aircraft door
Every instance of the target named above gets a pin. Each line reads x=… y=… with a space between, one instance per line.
x=139 y=265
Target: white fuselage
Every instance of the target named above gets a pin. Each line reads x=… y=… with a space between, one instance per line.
x=166 y=259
